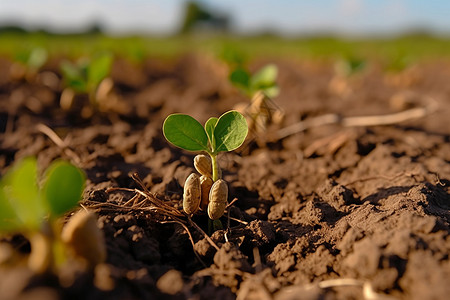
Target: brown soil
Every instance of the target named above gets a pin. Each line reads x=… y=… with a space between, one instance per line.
x=366 y=204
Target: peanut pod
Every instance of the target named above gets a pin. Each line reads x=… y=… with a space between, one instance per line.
x=205 y=184
x=203 y=165
x=217 y=199
x=85 y=238
x=192 y=194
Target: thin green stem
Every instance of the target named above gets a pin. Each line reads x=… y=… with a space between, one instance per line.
x=215 y=168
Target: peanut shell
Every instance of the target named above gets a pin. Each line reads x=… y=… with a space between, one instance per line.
x=217 y=199
x=202 y=164
x=192 y=194
x=85 y=238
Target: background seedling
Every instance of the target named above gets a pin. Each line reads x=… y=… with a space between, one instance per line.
x=349 y=66
x=85 y=77
x=28 y=63
x=222 y=134
x=264 y=80
x=35 y=210
x=347 y=72
x=261 y=88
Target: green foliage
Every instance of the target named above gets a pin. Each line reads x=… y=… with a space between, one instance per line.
x=24 y=205
x=33 y=59
x=22 y=192
x=74 y=76
x=226 y=133
x=98 y=69
x=63 y=187
x=86 y=75
x=230 y=131
x=185 y=132
x=264 y=80
x=9 y=221
x=350 y=66
x=232 y=56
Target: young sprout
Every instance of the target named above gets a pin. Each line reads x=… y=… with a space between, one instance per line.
x=86 y=77
x=264 y=80
x=222 y=134
x=28 y=63
x=346 y=74
x=260 y=87
x=349 y=66
x=36 y=211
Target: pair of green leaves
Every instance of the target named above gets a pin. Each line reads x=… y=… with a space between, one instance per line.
x=23 y=204
x=264 y=80
x=85 y=76
x=222 y=134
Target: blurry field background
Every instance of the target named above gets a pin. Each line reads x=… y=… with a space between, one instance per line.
x=394 y=33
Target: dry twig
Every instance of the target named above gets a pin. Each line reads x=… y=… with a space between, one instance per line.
x=328 y=119
x=58 y=142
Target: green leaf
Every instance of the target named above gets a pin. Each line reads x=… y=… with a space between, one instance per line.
x=272 y=92
x=73 y=77
x=21 y=189
x=99 y=69
x=185 y=132
x=240 y=78
x=230 y=131
x=37 y=59
x=266 y=77
x=9 y=221
x=209 y=127
x=63 y=187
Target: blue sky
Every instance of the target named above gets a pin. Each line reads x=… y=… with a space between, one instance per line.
x=351 y=17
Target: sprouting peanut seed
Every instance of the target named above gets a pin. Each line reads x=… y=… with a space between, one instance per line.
x=217 y=199
x=202 y=164
x=205 y=183
x=192 y=194
x=85 y=238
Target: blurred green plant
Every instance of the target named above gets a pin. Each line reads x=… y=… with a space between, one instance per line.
x=35 y=211
x=85 y=76
x=264 y=80
x=349 y=66
x=29 y=62
x=34 y=59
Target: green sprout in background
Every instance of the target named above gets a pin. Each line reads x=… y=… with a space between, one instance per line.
x=264 y=80
x=28 y=63
x=35 y=210
x=85 y=77
x=261 y=87
x=349 y=66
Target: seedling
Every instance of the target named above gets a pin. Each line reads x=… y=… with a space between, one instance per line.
x=222 y=134
x=264 y=80
x=36 y=210
x=29 y=62
x=349 y=66
x=260 y=87
x=85 y=77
